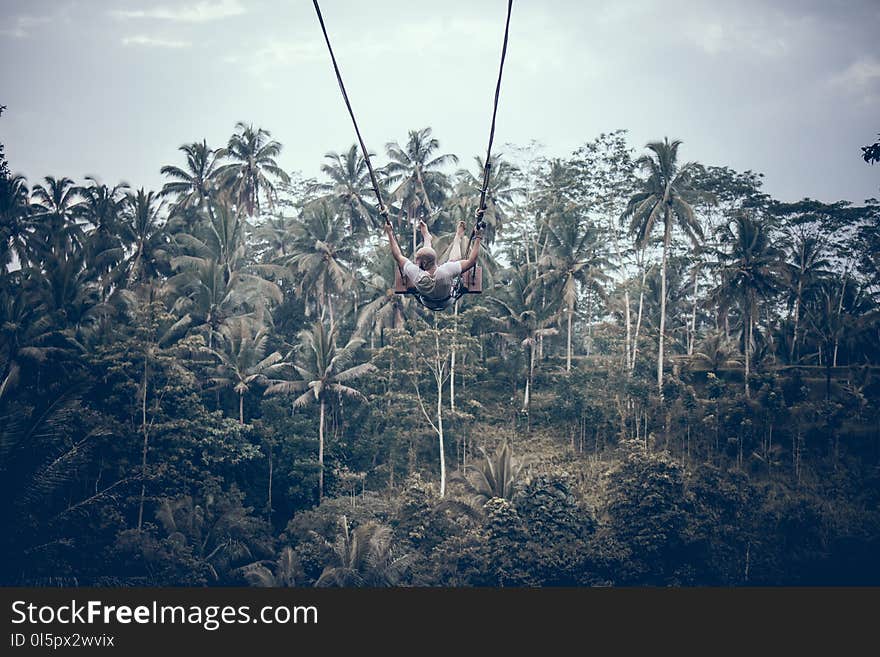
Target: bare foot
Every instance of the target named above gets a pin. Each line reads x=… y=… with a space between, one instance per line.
x=459 y=232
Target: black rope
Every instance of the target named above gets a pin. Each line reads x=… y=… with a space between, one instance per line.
x=488 y=163
x=382 y=209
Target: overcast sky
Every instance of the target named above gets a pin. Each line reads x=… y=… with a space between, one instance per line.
x=112 y=88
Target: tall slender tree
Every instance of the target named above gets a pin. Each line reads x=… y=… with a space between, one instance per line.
x=666 y=196
x=56 y=207
x=573 y=259
x=750 y=271
x=321 y=370
x=193 y=186
x=416 y=170
x=241 y=356
x=350 y=188
x=253 y=170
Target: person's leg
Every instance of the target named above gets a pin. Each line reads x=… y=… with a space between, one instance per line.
x=453 y=253
x=426 y=235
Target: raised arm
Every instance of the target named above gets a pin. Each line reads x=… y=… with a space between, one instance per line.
x=395 y=248
x=471 y=260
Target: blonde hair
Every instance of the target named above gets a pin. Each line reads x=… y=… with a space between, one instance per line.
x=426 y=257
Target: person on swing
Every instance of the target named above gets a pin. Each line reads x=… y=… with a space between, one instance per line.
x=432 y=280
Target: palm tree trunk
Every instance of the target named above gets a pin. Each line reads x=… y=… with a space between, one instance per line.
x=527 y=399
x=692 y=338
x=241 y=408
x=269 y=496
x=748 y=351
x=839 y=313
x=666 y=239
x=412 y=220
x=321 y=454
x=590 y=321
x=568 y=339
x=627 y=321
x=797 y=317
x=144 y=452
x=635 y=346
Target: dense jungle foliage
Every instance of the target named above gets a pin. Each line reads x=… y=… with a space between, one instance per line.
x=670 y=377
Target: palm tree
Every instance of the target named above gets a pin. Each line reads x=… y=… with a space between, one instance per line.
x=717 y=352
x=415 y=169
x=273 y=237
x=241 y=353
x=56 y=207
x=497 y=475
x=104 y=208
x=28 y=334
x=197 y=183
x=573 y=257
x=222 y=238
x=749 y=273
x=149 y=256
x=219 y=534
x=500 y=194
x=363 y=558
x=386 y=310
x=522 y=316
x=281 y=576
x=323 y=256
x=323 y=369
x=253 y=168
x=350 y=186
x=16 y=226
x=666 y=195
x=807 y=264
x=70 y=294
x=203 y=295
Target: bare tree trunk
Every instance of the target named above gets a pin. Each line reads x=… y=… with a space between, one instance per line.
x=440 y=431
x=452 y=358
x=241 y=408
x=321 y=454
x=391 y=466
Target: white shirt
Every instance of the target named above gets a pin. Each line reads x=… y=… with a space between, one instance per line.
x=443 y=277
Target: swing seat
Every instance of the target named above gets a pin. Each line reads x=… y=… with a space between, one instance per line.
x=471 y=282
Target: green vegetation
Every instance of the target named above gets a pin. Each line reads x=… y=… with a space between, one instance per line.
x=670 y=378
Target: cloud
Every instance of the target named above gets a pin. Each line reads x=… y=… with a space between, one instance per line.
x=200 y=12
x=765 y=37
x=153 y=42
x=861 y=73
x=22 y=25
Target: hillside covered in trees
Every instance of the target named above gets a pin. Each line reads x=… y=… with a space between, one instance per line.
x=670 y=378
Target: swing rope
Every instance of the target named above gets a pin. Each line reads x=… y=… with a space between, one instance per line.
x=488 y=164
x=383 y=211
